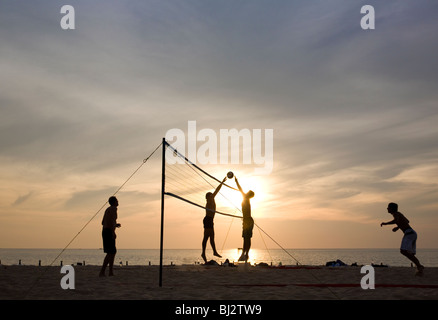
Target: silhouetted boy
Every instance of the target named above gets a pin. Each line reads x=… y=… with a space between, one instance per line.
x=409 y=242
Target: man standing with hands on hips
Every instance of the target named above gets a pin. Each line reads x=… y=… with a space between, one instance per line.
x=109 y=225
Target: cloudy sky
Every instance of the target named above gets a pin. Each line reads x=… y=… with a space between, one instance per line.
x=353 y=112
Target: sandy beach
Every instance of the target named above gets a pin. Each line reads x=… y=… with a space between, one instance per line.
x=199 y=282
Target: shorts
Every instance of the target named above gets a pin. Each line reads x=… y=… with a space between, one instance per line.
x=208 y=222
x=109 y=243
x=409 y=241
x=248 y=225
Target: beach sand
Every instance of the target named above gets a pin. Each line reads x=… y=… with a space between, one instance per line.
x=199 y=282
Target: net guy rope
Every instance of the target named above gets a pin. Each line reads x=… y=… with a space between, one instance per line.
x=181 y=178
x=196 y=169
x=100 y=209
x=204 y=175
x=88 y=222
x=193 y=171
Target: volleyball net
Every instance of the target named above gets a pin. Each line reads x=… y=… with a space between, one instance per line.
x=186 y=181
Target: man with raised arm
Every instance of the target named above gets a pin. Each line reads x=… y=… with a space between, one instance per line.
x=247 y=223
x=210 y=210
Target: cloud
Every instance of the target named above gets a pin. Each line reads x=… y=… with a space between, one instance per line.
x=22 y=199
x=353 y=111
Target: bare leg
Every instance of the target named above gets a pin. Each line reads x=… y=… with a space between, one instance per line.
x=414 y=259
x=109 y=260
x=105 y=263
x=242 y=256
x=213 y=245
x=111 y=264
x=204 y=244
x=247 y=246
x=245 y=250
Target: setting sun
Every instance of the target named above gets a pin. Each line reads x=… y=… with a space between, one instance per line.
x=232 y=199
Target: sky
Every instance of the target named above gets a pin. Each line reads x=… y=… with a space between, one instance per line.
x=353 y=114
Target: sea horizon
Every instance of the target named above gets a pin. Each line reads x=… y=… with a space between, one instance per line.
x=290 y=256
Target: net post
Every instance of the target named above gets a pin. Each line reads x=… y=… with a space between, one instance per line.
x=160 y=281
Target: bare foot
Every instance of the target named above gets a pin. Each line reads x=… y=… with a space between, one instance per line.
x=217 y=255
x=203 y=257
x=420 y=270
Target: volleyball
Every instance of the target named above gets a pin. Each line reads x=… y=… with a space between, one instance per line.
x=230 y=174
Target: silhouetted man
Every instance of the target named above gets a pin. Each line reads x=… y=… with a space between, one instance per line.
x=247 y=223
x=109 y=225
x=210 y=210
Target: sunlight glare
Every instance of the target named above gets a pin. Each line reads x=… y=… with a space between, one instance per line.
x=233 y=199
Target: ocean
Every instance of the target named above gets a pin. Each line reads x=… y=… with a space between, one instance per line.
x=316 y=257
